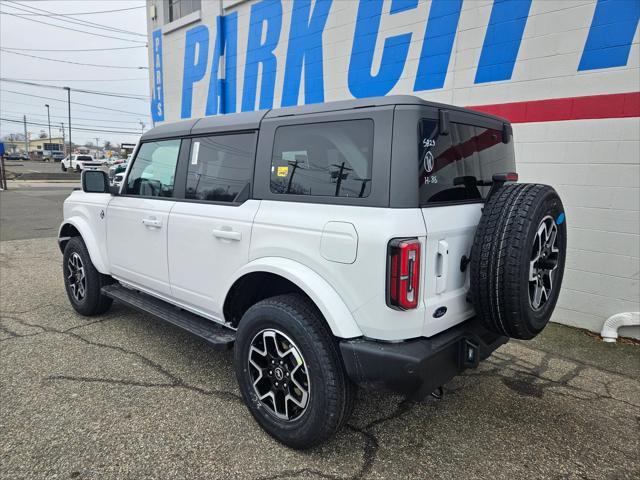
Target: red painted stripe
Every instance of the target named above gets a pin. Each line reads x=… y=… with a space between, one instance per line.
x=616 y=105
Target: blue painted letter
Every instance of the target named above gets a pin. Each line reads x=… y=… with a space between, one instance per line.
x=269 y=12
x=196 y=51
x=157 y=99
x=612 y=30
x=502 y=40
x=437 y=44
x=305 y=48
x=361 y=82
x=222 y=92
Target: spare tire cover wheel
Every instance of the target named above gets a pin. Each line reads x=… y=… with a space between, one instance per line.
x=517 y=259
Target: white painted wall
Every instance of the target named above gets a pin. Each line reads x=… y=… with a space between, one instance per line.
x=594 y=164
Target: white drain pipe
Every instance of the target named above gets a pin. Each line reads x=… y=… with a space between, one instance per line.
x=610 y=328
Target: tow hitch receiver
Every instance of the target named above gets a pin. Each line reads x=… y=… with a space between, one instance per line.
x=469 y=354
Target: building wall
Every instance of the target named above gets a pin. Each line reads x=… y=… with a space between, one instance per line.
x=35 y=144
x=567 y=73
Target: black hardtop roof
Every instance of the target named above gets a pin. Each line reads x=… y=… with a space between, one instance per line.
x=251 y=120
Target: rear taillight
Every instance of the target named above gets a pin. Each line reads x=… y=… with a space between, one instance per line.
x=403 y=273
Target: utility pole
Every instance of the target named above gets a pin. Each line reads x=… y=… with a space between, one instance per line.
x=69 y=103
x=48 y=120
x=97 y=147
x=62 y=125
x=26 y=136
x=142 y=125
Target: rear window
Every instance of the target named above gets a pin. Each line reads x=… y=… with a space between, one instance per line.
x=458 y=167
x=221 y=167
x=84 y=157
x=327 y=159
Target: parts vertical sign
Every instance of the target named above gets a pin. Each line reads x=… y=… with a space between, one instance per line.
x=157 y=101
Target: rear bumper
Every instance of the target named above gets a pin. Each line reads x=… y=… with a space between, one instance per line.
x=421 y=365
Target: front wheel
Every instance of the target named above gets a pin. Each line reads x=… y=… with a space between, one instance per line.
x=82 y=281
x=62 y=167
x=78 y=169
x=290 y=372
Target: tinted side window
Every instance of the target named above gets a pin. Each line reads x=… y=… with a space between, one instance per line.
x=221 y=167
x=328 y=159
x=459 y=166
x=153 y=171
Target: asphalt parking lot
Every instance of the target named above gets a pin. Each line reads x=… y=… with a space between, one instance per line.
x=32 y=166
x=122 y=396
x=32 y=209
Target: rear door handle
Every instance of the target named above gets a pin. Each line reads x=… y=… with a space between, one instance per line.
x=443 y=263
x=152 y=222
x=228 y=235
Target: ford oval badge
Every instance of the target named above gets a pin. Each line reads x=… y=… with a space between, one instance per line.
x=439 y=312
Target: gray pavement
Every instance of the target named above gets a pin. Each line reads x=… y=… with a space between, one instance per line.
x=37 y=169
x=32 y=166
x=122 y=396
x=31 y=209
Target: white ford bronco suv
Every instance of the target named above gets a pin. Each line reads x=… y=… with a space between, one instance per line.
x=380 y=242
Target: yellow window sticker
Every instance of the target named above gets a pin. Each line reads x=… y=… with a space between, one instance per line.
x=283 y=171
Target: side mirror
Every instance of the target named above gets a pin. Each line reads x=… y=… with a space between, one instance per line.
x=95 y=181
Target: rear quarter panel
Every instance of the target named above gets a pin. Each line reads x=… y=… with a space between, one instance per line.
x=299 y=232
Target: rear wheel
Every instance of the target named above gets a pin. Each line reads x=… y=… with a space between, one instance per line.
x=517 y=259
x=82 y=281
x=290 y=372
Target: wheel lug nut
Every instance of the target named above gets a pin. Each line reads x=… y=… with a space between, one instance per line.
x=276 y=384
x=270 y=372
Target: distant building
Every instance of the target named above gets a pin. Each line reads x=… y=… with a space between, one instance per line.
x=37 y=146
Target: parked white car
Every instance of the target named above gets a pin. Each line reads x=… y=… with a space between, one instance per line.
x=379 y=242
x=80 y=162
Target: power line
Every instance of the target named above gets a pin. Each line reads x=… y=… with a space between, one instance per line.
x=73 y=29
x=92 y=92
x=72 y=49
x=78 y=103
x=42 y=123
x=86 y=13
x=126 y=132
x=80 y=79
x=73 y=21
x=75 y=110
x=74 y=63
x=65 y=117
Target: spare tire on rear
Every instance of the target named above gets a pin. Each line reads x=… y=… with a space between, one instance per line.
x=517 y=259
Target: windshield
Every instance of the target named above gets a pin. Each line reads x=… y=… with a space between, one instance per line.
x=458 y=167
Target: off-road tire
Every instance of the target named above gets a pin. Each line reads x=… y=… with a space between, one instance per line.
x=501 y=256
x=93 y=303
x=331 y=393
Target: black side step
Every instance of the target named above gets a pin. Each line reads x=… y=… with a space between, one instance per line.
x=220 y=337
